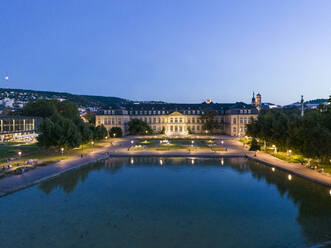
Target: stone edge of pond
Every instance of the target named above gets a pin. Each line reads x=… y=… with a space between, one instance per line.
x=79 y=165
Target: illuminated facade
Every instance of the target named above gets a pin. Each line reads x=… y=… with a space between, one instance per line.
x=12 y=127
x=180 y=119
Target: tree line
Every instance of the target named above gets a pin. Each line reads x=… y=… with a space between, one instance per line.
x=309 y=135
x=62 y=125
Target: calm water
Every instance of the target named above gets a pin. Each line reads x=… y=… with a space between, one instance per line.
x=140 y=203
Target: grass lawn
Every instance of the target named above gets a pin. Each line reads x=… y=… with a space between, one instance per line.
x=177 y=144
x=293 y=158
x=44 y=156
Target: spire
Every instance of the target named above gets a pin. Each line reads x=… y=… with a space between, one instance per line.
x=253 y=98
x=302 y=106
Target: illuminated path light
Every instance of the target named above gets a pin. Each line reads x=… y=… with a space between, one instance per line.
x=289 y=177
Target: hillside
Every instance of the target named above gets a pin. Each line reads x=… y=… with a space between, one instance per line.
x=18 y=97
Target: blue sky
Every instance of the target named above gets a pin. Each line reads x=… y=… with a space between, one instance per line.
x=175 y=50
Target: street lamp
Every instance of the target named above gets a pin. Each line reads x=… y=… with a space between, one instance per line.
x=131 y=142
x=114 y=134
x=275 y=149
x=19 y=154
x=92 y=145
x=289 y=152
x=62 y=150
x=146 y=132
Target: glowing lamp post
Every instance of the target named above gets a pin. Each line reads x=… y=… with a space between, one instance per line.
x=289 y=153
x=62 y=150
x=19 y=154
x=114 y=135
x=275 y=149
x=92 y=143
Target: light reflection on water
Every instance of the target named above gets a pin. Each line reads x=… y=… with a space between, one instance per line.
x=168 y=202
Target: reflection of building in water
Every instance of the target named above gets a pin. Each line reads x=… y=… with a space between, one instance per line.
x=180 y=119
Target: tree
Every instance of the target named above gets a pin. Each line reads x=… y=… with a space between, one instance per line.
x=208 y=119
x=86 y=132
x=42 y=108
x=58 y=132
x=116 y=132
x=90 y=116
x=309 y=135
x=254 y=145
x=99 y=132
x=139 y=127
x=7 y=111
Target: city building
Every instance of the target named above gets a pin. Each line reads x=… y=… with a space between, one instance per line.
x=180 y=119
x=18 y=127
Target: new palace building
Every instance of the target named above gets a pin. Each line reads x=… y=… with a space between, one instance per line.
x=180 y=119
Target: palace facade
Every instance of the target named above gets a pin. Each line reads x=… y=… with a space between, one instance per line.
x=180 y=119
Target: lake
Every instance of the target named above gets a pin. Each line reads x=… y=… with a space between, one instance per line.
x=168 y=202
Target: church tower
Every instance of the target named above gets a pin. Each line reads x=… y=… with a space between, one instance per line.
x=258 y=102
x=253 y=99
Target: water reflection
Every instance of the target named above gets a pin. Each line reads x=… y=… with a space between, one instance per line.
x=313 y=201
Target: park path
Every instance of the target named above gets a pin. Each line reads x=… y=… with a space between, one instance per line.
x=13 y=183
x=120 y=148
x=292 y=168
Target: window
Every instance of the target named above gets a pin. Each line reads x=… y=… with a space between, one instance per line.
x=193 y=128
x=171 y=120
x=234 y=121
x=180 y=129
x=171 y=128
x=176 y=120
x=198 y=127
x=241 y=120
x=181 y=120
x=193 y=120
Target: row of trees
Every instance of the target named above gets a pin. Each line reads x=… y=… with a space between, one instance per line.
x=309 y=135
x=62 y=125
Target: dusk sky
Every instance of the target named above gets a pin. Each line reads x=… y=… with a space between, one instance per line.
x=175 y=51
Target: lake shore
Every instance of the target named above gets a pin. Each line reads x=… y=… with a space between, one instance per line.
x=14 y=183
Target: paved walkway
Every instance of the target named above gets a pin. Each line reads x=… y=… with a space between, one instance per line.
x=293 y=168
x=120 y=148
